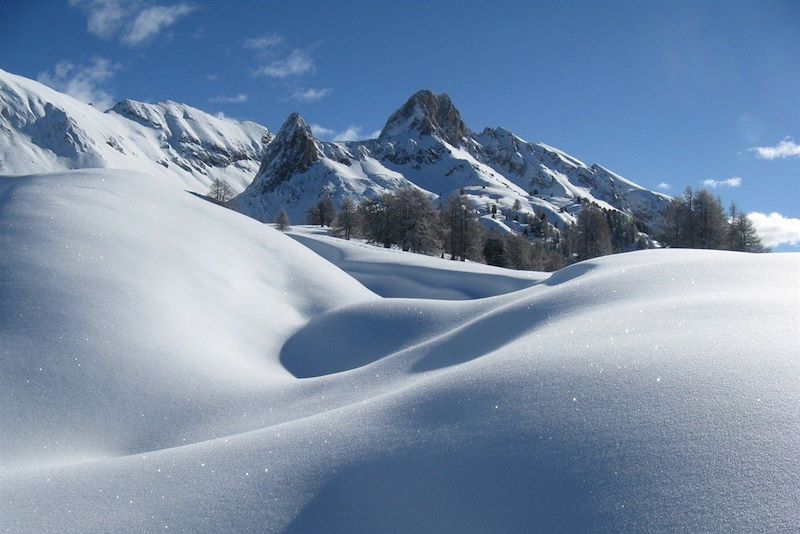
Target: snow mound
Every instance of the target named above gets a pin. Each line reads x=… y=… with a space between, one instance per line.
x=130 y=317
x=166 y=364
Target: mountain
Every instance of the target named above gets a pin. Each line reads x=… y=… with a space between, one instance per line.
x=44 y=130
x=426 y=144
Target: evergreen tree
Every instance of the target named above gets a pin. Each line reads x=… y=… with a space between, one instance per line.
x=742 y=235
x=282 y=223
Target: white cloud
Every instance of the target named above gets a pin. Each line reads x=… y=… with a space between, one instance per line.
x=322 y=132
x=295 y=64
x=105 y=17
x=787 y=148
x=775 y=229
x=353 y=133
x=264 y=42
x=83 y=82
x=235 y=99
x=310 y=95
x=152 y=20
x=212 y=77
x=664 y=186
x=730 y=182
x=135 y=21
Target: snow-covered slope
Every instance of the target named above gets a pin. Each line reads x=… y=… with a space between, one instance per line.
x=44 y=130
x=427 y=144
x=130 y=315
x=397 y=274
x=217 y=376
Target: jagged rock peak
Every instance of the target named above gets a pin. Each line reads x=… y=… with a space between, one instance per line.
x=294 y=125
x=293 y=150
x=428 y=114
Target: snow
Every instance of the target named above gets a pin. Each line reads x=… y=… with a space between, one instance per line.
x=44 y=130
x=398 y=274
x=169 y=365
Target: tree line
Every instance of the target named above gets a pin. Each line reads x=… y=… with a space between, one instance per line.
x=411 y=220
x=697 y=219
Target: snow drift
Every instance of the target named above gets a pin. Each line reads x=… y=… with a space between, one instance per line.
x=166 y=364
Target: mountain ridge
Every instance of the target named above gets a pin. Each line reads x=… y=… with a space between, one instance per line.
x=426 y=144
x=44 y=130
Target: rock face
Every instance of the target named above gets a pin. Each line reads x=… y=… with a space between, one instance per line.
x=428 y=114
x=295 y=151
x=44 y=130
x=426 y=144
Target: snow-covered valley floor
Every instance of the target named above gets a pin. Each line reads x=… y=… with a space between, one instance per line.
x=169 y=365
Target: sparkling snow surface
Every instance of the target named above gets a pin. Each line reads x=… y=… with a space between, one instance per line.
x=169 y=365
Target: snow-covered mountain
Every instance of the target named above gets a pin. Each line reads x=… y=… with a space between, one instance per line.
x=426 y=144
x=44 y=130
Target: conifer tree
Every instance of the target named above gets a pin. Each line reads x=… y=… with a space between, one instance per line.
x=282 y=223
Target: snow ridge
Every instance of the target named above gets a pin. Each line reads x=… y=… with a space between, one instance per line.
x=44 y=130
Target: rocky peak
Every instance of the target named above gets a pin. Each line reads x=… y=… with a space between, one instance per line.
x=293 y=150
x=294 y=127
x=428 y=114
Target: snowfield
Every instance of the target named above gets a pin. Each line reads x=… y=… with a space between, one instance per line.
x=169 y=365
x=398 y=274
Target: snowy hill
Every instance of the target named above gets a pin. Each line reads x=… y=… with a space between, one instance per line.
x=44 y=130
x=425 y=143
x=219 y=376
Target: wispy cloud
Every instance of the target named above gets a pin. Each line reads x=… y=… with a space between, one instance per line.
x=235 y=99
x=84 y=82
x=775 y=229
x=264 y=42
x=322 y=132
x=152 y=20
x=310 y=95
x=295 y=64
x=132 y=20
x=212 y=77
x=105 y=17
x=353 y=133
x=730 y=182
x=787 y=148
x=664 y=186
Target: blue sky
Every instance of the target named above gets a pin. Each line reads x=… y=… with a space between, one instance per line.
x=668 y=94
